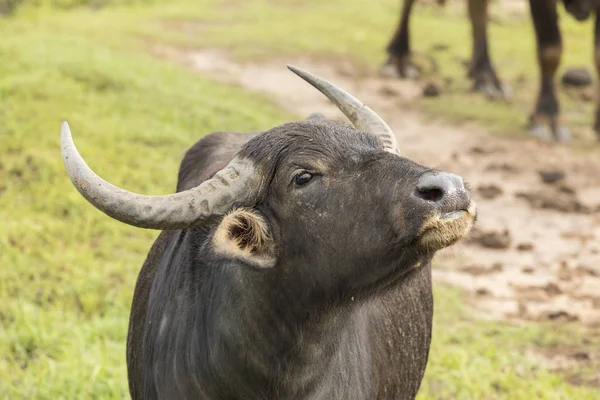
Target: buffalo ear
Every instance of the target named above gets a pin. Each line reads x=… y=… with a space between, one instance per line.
x=244 y=235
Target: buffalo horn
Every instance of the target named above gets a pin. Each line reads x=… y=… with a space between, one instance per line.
x=359 y=114
x=238 y=182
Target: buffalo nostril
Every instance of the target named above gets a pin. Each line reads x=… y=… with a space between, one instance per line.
x=436 y=186
x=432 y=194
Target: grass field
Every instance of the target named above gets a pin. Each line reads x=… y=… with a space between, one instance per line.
x=359 y=32
x=67 y=271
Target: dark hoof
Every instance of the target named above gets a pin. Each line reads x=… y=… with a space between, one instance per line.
x=494 y=92
x=400 y=67
x=541 y=132
x=547 y=129
x=562 y=134
x=492 y=88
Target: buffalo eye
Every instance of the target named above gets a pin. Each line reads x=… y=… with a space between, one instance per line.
x=302 y=178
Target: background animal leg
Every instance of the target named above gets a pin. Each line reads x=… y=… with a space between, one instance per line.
x=481 y=69
x=544 y=122
x=399 y=61
x=597 y=62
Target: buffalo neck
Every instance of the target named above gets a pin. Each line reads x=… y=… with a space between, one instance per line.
x=288 y=344
x=250 y=334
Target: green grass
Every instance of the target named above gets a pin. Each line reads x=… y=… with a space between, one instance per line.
x=67 y=271
x=358 y=31
x=473 y=359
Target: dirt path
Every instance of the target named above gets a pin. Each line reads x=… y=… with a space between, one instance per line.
x=536 y=251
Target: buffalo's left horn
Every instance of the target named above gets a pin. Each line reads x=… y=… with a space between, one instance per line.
x=359 y=114
x=239 y=183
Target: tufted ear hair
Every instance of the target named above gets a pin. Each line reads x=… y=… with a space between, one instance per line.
x=244 y=235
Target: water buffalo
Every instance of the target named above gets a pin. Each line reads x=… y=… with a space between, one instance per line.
x=294 y=263
x=544 y=121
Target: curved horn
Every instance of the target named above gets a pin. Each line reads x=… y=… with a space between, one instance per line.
x=238 y=182
x=359 y=114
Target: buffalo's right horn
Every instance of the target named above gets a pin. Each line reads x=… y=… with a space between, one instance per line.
x=359 y=114
x=238 y=183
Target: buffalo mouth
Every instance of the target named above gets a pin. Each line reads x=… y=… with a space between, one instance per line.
x=443 y=229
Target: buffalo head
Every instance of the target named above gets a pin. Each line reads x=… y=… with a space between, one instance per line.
x=318 y=201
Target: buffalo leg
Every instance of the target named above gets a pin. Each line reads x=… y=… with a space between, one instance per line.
x=544 y=122
x=481 y=69
x=399 y=56
x=597 y=62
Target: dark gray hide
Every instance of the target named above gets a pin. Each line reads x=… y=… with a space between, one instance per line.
x=346 y=312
